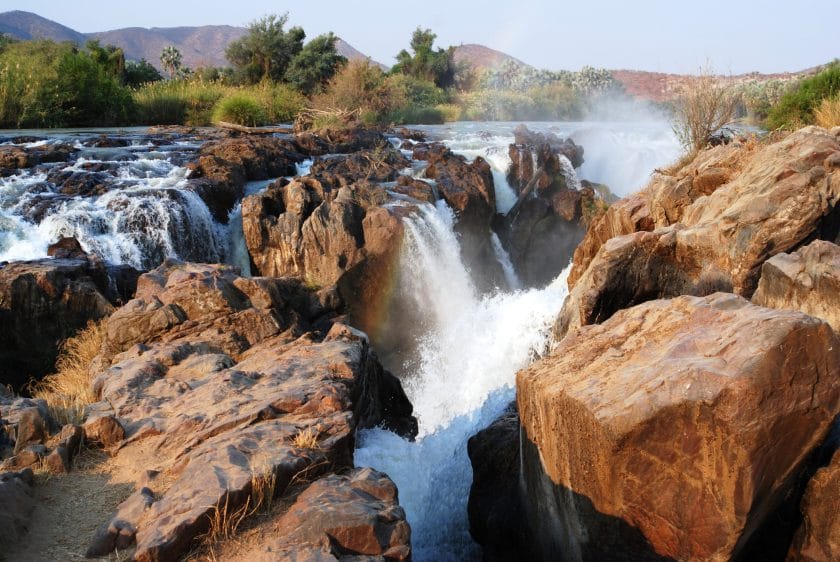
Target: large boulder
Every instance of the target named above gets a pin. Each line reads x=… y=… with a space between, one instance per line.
x=14 y=157
x=18 y=502
x=222 y=168
x=226 y=389
x=807 y=280
x=818 y=539
x=379 y=165
x=353 y=514
x=341 y=140
x=44 y=302
x=541 y=154
x=777 y=198
x=673 y=429
x=325 y=236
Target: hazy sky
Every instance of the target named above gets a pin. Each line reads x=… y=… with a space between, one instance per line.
x=659 y=35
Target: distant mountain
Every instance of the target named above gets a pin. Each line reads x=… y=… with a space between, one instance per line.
x=483 y=58
x=200 y=46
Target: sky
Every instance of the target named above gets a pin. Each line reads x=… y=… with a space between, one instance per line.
x=733 y=36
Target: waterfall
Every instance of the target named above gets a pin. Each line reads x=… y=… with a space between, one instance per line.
x=572 y=180
x=459 y=379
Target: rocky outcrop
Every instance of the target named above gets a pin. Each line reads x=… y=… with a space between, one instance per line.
x=42 y=303
x=14 y=157
x=818 y=539
x=704 y=233
x=380 y=165
x=540 y=154
x=353 y=514
x=226 y=388
x=674 y=428
x=18 y=504
x=326 y=236
x=807 y=280
x=340 y=140
x=224 y=166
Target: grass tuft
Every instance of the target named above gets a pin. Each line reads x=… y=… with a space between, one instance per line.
x=827 y=114
x=306 y=438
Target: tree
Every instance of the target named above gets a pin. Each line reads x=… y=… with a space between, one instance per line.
x=436 y=66
x=315 y=64
x=706 y=105
x=170 y=58
x=109 y=57
x=266 y=50
x=140 y=72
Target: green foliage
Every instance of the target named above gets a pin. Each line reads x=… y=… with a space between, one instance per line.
x=241 y=109
x=427 y=64
x=139 y=73
x=416 y=116
x=5 y=41
x=796 y=107
x=514 y=76
x=759 y=96
x=46 y=84
x=171 y=59
x=109 y=57
x=178 y=102
x=281 y=103
x=266 y=50
x=550 y=102
x=311 y=69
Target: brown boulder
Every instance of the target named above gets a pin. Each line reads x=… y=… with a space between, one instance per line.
x=18 y=504
x=66 y=248
x=674 y=428
x=42 y=303
x=379 y=165
x=818 y=539
x=339 y=141
x=236 y=392
x=324 y=236
x=779 y=197
x=807 y=280
x=17 y=157
x=356 y=514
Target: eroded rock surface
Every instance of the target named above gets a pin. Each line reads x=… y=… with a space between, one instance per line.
x=709 y=228
x=221 y=382
x=674 y=428
x=818 y=539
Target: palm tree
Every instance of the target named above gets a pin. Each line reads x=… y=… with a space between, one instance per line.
x=170 y=58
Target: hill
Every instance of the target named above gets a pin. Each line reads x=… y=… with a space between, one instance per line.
x=200 y=46
x=483 y=58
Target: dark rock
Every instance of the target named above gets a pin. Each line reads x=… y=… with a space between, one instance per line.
x=18 y=504
x=119 y=533
x=818 y=539
x=66 y=248
x=339 y=141
x=379 y=165
x=58 y=460
x=31 y=429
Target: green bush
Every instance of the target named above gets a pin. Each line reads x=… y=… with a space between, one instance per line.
x=241 y=109
x=796 y=108
x=280 y=102
x=412 y=115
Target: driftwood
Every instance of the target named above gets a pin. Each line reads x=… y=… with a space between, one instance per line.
x=525 y=192
x=254 y=130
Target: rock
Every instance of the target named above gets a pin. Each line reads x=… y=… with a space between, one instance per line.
x=536 y=153
x=119 y=532
x=224 y=166
x=657 y=433
x=58 y=460
x=80 y=183
x=31 y=429
x=18 y=504
x=807 y=280
x=355 y=514
x=379 y=165
x=325 y=236
x=30 y=456
x=818 y=539
x=67 y=248
x=339 y=141
x=415 y=189
x=71 y=438
x=779 y=197
x=235 y=388
x=495 y=507
x=567 y=147
x=104 y=430
x=42 y=303
x=17 y=157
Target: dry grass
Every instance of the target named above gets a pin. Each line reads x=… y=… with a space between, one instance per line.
x=827 y=114
x=306 y=438
x=705 y=105
x=68 y=390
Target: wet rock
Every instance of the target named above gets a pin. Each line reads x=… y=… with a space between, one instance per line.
x=326 y=236
x=339 y=141
x=379 y=165
x=656 y=433
x=565 y=146
x=409 y=134
x=42 y=303
x=416 y=189
x=106 y=141
x=239 y=388
x=778 y=197
x=80 y=183
x=537 y=154
x=18 y=503
x=495 y=505
x=17 y=157
x=66 y=248
x=807 y=280
x=354 y=514
x=818 y=539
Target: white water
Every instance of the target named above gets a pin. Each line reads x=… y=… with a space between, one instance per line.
x=462 y=378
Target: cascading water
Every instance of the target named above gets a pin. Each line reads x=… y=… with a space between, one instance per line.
x=459 y=379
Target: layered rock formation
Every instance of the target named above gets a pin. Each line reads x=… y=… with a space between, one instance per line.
x=43 y=302
x=709 y=227
x=217 y=386
x=657 y=433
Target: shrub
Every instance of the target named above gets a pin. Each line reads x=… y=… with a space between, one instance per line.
x=416 y=116
x=69 y=390
x=241 y=109
x=450 y=111
x=796 y=108
x=178 y=102
x=828 y=113
x=704 y=106
x=361 y=87
x=280 y=102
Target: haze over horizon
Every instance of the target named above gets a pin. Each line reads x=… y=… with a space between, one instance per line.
x=652 y=35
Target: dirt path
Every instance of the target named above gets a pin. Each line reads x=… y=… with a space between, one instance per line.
x=68 y=510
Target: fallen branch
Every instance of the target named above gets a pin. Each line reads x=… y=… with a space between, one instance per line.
x=253 y=130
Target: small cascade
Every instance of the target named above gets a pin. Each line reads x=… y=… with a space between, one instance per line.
x=459 y=379
x=569 y=173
